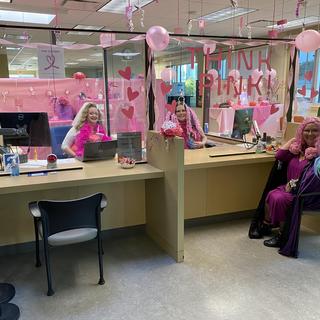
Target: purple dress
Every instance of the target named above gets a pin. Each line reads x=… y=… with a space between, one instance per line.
x=278 y=200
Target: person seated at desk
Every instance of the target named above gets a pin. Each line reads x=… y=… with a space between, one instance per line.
x=296 y=156
x=86 y=127
x=185 y=117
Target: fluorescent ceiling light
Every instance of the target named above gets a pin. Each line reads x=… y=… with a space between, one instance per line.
x=65 y=43
x=26 y=17
x=13 y=48
x=72 y=63
x=98 y=54
x=83 y=59
x=16 y=36
x=119 y=6
x=126 y=54
x=227 y=13
x=84 y=27
x=297 y=22
x=7 y=1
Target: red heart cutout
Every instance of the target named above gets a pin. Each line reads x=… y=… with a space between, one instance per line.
x=308 y=75
x=273 y=109
x=313 y=93
x=171 y=107
x=126 y=73
x=302 y=91
x=132 y=94
x=128 y=112
x=165 y=88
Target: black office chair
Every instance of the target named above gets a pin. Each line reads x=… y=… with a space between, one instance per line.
x=57 y=136
x=67 y=222
x=8 y=311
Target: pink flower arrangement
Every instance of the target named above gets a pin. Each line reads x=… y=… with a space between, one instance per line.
x=170 y=129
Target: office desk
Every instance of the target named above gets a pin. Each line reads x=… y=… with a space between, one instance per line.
x=224 y=184
x=128 y=201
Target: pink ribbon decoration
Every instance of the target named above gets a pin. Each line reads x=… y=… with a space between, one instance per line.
x=51 y=60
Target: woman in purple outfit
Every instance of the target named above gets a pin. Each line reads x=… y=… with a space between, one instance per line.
x=297 y=153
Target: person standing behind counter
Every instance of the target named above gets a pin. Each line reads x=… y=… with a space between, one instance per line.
x=185 y=117
x=86 y=127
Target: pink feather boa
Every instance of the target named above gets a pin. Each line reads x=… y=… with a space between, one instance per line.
x=299 y=146
x=86 y=134
x=193 y=125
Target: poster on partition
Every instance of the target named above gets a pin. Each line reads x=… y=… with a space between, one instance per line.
x=51 y=62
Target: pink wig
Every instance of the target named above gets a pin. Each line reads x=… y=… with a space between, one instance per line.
x=299 y=145
x=193 y=125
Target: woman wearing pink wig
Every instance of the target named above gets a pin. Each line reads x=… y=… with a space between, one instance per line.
x=297 y=154
x=185 y=117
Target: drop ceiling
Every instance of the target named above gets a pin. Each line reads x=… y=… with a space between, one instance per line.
x=167 y=13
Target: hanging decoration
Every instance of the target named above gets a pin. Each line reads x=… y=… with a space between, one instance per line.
x=79 y=75
x=209 y=47
x=298 y=6
x=141 y=11
x=234 y=3
x=189 y=26
x=129 y=11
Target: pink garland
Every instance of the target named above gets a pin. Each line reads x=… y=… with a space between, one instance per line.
x=299 y=146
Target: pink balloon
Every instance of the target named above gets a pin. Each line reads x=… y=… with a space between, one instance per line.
x=272 y=73
x=157 y=38
x=168 y=74
x=308 y=40
x=235 y=74
x=256 y=74
x=214 y=73
x=211 y=46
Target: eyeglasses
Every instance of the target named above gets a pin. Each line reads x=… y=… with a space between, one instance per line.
x=311 y=131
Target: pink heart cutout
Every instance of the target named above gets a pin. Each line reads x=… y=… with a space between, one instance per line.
x=171 y=107
x=273 y=109
x=165 y=88
x=128 y=112
x=313 y=93
x=126 y=73
x=302 y=91
x=132 y=94
x=308 y=75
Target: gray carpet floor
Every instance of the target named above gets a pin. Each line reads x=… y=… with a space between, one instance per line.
x=224 y=276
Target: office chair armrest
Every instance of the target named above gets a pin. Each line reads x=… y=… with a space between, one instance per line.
x=103 y=203
x=34 y=209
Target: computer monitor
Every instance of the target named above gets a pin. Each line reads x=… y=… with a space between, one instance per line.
x=129 y=145
x=242 y=123
x=26 y=128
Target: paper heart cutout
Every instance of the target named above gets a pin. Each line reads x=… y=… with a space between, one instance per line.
x=165 y=88
x=273 y=109
x=171 y=107
x=128 y=112
x=302 y=91
x=126 y=73
x=132 y=94
x=308 y=75
x=313 y=93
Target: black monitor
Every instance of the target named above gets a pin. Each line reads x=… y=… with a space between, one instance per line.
x=242 y=123
x=129 y=145
x=25 y=128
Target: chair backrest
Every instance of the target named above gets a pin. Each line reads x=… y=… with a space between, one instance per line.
x=290 y=131
x=57 y=136
x=298 y=119
x=65 y=215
